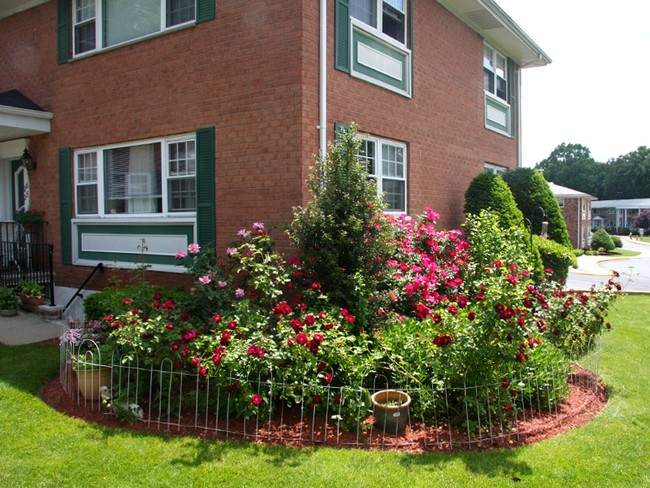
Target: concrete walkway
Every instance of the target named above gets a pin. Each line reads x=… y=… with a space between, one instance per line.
x=27 y=328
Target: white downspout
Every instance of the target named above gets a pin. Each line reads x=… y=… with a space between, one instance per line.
x=520 y=162
x=322 y=124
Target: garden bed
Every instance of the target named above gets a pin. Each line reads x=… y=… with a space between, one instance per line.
x=587 y=397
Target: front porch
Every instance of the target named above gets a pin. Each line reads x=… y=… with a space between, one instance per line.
x=25 y=255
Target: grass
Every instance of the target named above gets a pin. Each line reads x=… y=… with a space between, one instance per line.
x=623 y=252
x=41 y=447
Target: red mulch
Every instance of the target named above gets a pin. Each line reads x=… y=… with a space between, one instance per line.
x=582 y=404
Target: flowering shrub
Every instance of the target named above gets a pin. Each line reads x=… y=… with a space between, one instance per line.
x=23 y=216
x=428 y=310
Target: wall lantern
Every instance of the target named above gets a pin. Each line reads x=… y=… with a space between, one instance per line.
x=28 y=161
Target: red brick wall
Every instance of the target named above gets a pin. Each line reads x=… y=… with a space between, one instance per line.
x=253 y=74
x=442 y=124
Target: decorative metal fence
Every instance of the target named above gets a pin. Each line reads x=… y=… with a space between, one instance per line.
x=438 y=418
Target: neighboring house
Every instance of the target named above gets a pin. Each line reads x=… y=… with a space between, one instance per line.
x=184 y=120
x=618 y=215
x=576 y=209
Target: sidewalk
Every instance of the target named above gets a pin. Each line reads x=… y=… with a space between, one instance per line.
x=27 y=328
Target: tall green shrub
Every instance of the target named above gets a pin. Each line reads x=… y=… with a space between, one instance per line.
x=489 y=192
x=341 y=231
x=532 y=194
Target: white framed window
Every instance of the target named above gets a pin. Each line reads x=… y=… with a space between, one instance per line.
x=495 y=73
x=156 y=177
x=385 y=16
x=99 y=24
x=387 y=164
x=494 y=169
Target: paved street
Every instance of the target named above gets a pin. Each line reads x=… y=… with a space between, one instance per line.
x=634 y=271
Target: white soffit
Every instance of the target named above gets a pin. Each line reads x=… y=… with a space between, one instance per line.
x=495 y=26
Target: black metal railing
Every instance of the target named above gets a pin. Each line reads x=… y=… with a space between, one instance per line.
x=25 y=256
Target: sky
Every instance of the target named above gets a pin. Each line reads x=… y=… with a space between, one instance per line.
x=596 y=91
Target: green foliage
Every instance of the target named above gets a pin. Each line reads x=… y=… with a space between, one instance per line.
x=557 y=259
x=617 y=241
x=536 y=201
x=627 y=176
x=642 y=220
x=340 y=231
x=31 y=288
x=571 y=165
x=111 y=300
x=488 y=191
x=8 y=299
x=602 y=240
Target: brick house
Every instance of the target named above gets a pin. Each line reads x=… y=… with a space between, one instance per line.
x=576 y=210
x=186 y=120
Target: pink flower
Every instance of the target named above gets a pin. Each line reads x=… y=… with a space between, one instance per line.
x=205 y=280
x=230 y=251
x=256 y=400
x=258 y=226
x=180 y=255
x=222 y=284
x=193 y=248
x=239 y=293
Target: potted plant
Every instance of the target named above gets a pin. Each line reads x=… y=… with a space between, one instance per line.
x=8 y=304
x=391 y=410
x=31 y=293
x=93 y=367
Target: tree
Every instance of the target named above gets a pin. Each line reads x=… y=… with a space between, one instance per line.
x=488 y=191
x=627 y=176
x=571 y=165
x=642 y=221
x=341 y=231
x=602 y=240
x=536 y=200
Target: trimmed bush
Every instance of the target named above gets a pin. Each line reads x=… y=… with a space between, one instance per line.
x=555 y=257
x=602 y=240
x=489 y=192
x=532 y=193
x=617 y=241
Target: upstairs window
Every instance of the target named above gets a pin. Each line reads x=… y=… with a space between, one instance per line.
x=387 y=16
x=386 y=162
x=100 y=24
x=495 y=73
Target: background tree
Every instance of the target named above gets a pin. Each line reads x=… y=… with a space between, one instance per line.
x=627 y=176
x=642 y=221
x=488 y=191
x=532 y=194
x=571 y=165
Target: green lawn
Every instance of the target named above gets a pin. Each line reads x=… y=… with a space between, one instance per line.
x=41 y=447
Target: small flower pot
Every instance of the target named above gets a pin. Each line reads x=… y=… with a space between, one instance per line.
x=9 y=313
x=391 y=410
x=32 y=300
x=91 y=379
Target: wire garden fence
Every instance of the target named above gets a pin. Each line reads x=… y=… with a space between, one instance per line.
x=426 y=419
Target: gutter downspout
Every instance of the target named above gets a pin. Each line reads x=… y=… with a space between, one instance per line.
x=322 y=123
x=520 y=162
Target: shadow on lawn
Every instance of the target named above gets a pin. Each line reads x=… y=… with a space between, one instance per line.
x=496 y=464
x=29 y=367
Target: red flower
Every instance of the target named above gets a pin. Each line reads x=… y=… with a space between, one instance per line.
x=232 y=325
x=225 y=337
x=471 y=315
x=319 y=338
x=127 y=301
x=505 y=383
x=508 y=407
x=310 y=320
x=157 y=296
x=315 y=286
x=256 y=400
x=328 y=378
x=216 y=318
x=302 y=339
x=169 y=326
x=282 y=308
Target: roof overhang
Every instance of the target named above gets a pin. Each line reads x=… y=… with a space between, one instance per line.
x=16 y=123
x=491 y=22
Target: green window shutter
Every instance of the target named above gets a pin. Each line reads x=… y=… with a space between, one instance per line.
x=204 y=11
x=411 y=38
x=512 y=97
x=63 y=30
x=342 y=36
x=65 y=203
x=205 y=192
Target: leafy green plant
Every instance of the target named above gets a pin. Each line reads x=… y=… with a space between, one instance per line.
x=488 y=191
x=602 y=240
x=31 y=288
x=8 y=299
x=557 y=259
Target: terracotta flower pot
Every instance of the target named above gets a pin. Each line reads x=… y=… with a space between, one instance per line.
x=391 y=410
x=32 y=300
